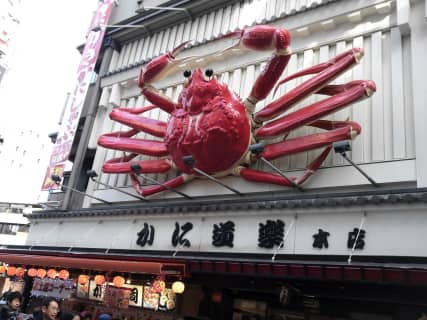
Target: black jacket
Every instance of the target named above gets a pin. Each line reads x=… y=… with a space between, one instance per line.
x=6 y=313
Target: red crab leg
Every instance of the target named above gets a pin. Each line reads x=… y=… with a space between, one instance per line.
x=123 y=165
x=327 y=72
x=267 y=177
x=126 y=116
x=122 y=141
x=172 y=183
x=262 y=38
x=344 y=95
x=156 y=70
x=339 y=130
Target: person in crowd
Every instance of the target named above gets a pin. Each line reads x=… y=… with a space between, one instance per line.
x=11 y=309
x=85 y=315
x=104 y=316
x=50 y=308
x=69 y=315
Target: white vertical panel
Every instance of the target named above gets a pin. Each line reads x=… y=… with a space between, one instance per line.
x=271 y=9
x=291 y=8
x=234 y=19
x=165 y=41
x=248 y=82
x=132 y=53
x=359 y=109
x=388 y=113
x=258 y=69
x=302 y=5
x=114 y=61
x=158 y=44
x=138 y=51
x=187 y=31
x=367 y=112
x=397 y=95
x=201 y=29
x=217 y=23
x=121 y=57
x=152 y=42
x=377 y=99
x=172 y=39
x=209 y=26
x=409 y=104
x=179 y=35
x=260 y=6
x=225 y=25
x=247 y=14
x=126 y=54
x=280 y=8
x=145 y=47
x=236 y=81
x=194 y=29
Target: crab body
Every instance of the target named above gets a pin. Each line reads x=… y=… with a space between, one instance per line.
x=211 y=124
x=215 y=128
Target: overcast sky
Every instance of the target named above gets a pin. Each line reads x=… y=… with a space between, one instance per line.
x=43 y=67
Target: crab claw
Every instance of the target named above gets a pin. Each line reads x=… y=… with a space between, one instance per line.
x=160 y=67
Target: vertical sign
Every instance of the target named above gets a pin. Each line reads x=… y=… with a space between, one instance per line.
x=63 y=144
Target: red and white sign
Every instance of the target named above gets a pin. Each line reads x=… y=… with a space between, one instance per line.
x=63 y=144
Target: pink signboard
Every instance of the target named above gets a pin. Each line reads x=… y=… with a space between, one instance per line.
x=63 y=144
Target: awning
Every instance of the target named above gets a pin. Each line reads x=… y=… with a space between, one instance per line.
x=107 y=263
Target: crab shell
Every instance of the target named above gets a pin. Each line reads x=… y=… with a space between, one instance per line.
x=211 y=124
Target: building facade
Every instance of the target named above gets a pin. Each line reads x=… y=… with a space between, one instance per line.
x=268 y=251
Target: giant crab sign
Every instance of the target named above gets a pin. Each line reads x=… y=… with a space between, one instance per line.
x=215 y=128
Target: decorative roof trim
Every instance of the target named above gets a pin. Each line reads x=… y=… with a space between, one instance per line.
x=298 y=201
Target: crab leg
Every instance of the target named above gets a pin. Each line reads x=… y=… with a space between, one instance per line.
x=339 y=130
x=327 y=72
x=123 y=165
x=267 y=177
x=122 y=141
x=262 y=38
x=172 y=183
x=128 y=117
x=343 y=95
x=156 y=70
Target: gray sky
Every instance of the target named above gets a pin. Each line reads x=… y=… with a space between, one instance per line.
x=44 y=64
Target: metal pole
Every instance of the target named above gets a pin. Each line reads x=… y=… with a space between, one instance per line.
x=272 y=166
x=216 y=180
x=358 y=169
x=164 y=186
x=119 y=190
x=85 y=194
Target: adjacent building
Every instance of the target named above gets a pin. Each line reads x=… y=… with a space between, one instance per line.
x=340 y=248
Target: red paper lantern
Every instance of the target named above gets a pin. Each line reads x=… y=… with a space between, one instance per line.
x=63 y=274
x=11 y=271
x=20 y=272
x=83 y=279
x=99 y=279
x=216 y=297
x=159 y=285
x=2 y=269
x=41 y=273
x=32 y=272
x=118 y=281
x=52 y=273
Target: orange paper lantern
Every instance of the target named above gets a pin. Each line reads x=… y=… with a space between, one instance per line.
x=41 y=273
x=99 y=279
x=83 y=279
x=2 y=269
x=159 y=285
x=11 y=271
x=63 y=274
x=32 y=272
x=118 y=281
x=52 y=273
x=20 y=272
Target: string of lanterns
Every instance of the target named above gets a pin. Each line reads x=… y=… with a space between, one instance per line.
x=158 y=284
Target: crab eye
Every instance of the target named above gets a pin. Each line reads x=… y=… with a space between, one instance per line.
x=187 y=73
x=208 y=73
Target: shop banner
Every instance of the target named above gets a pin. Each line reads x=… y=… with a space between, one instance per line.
x=96 y=292
x=117 y=297
x=136 y=294
x=63 y=144
x=83 y=290
x=57 y=288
